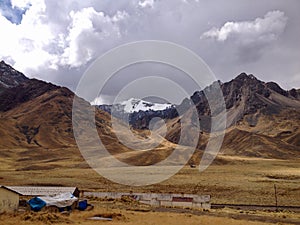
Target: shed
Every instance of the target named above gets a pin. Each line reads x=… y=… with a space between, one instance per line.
x=43 y=190
x=9 y=200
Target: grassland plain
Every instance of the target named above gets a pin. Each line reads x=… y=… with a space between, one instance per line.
x=230 y=180
x=127 y=211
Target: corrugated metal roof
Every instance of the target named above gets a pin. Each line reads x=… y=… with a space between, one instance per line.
x=41 y=191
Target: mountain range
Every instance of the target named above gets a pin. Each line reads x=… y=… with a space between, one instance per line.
x=139 y=112
x=135 y=105
x=263 y=120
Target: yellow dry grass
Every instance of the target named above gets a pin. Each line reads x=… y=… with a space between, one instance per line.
x=120 y=217
x=235 y=180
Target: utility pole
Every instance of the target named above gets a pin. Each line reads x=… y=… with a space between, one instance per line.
x=276 y=200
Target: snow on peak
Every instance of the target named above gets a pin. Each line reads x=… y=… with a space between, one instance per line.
x=135 y=105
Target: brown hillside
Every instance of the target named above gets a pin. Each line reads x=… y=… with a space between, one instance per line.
x=264 y=122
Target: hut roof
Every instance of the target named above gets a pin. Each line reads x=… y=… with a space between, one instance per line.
x=41 y=191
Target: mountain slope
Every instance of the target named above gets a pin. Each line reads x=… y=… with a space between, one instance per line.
x=9 y=77
x=263 y=120
x=244 y=143
x=246 y=95
x=38 y=115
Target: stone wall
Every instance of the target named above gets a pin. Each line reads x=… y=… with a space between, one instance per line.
x=157 y=200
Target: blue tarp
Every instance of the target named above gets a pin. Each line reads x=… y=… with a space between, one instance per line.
x=36 y=204
x=82 y=205
x=60 y=200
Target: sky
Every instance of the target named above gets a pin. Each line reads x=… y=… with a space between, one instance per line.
x=57 y=41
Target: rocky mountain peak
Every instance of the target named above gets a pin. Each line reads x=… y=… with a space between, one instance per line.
x=9 y=77
x=244 y=77
x=246 y=95
x=246 y=80
x=246 y=86
x=275 y=87
x=295 y=93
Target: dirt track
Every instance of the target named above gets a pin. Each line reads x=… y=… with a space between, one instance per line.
x=269 y=208
x=243 y=214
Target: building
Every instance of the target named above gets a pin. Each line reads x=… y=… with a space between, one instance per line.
x=9 y=200
x=43 y=191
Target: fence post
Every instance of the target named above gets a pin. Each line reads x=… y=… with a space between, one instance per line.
x=276 y=200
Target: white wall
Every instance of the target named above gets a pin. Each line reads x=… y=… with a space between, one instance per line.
x=153 y=199
x=9 y=201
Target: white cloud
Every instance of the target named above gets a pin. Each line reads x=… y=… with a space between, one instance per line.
x=22 y=4
x=56 y=40
x=24 y=43
x=87 y=27
x=263 y=29
x=146 y=3
x=37 y=42
x=188 y=1
x=102 y=100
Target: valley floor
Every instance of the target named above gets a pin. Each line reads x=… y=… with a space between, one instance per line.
x=128 y=213
x=230 y=180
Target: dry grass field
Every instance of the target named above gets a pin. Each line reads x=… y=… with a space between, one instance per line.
x=229 y=180
x=134 y=215
x=234 y=180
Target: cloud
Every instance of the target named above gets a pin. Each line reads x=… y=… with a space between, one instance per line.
x=40 y=41
x=25 y=42
x=22 y=4
x=249 y=41
x=103 y=99
x=264 y=29
x=71 y=34
x=57 y=40
x=146 y=3
x=89 y=27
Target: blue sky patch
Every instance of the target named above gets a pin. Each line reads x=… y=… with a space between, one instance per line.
x=13 y=14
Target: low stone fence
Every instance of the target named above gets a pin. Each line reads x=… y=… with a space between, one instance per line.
x=153 y=199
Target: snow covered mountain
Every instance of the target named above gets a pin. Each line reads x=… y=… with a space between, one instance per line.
x=140 y=112
x=136 y=105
